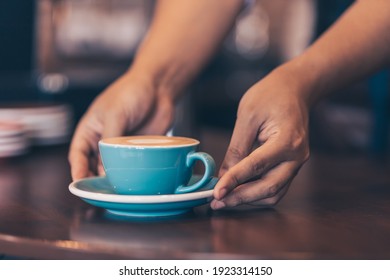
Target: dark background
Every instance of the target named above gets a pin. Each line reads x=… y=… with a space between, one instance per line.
x=18 y=83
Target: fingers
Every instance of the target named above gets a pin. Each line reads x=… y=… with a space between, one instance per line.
x=79 y=163
x=240 y=146
x=265 y=191
x=122 y=108
x=79 y=156
x=271 y=201
x=100 y=168
x=160 y=119
x=83 y=149
x=114 y=124
x=253 y=166
x=83 y=153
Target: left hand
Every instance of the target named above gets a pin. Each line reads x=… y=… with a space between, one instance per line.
x=131 y=105
x=268 y=146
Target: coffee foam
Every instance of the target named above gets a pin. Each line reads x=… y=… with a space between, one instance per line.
x=151 y=141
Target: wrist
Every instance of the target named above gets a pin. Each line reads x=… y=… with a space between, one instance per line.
x=152 y=81
x=304 y=79
x=166 y=78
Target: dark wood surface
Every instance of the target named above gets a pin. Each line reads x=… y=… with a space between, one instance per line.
x=337 y=208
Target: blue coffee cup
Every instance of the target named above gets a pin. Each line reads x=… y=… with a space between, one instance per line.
x=153 y=165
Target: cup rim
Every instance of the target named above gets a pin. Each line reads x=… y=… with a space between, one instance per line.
x=195 y=143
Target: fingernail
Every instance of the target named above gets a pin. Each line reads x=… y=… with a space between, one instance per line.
x=218 y=204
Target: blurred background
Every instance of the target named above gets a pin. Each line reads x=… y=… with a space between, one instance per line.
x=56 y=56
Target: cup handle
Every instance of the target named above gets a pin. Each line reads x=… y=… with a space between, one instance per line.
x=209 y=165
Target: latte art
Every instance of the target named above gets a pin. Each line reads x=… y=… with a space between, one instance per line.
x=151 y=141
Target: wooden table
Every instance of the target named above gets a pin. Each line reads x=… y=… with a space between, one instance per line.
x=337 y=208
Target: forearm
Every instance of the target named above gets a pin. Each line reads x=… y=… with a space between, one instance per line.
x=182 y=36
x=355 y=46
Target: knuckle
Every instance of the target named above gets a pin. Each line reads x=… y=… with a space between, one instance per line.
x=233 y=178
x=222 y=170
x=237 y=199
x=257 y=166
x=272 y=191
x=242 y=106
x=273 y=201
x=235 y=152
x=297 y=143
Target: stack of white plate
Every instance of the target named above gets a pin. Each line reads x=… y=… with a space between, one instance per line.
x=13 y=140
x=45 y=123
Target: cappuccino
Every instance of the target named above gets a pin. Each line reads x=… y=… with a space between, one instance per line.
x=151 y=141
x=153 y=165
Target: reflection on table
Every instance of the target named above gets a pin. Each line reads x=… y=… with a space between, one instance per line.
x=337 y=208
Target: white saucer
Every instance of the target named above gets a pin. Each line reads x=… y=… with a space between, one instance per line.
x=97 y=191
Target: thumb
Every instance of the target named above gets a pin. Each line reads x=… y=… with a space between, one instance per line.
x=240 y=145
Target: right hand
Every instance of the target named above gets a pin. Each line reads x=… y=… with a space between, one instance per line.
x=131 y=105
x=269 y=143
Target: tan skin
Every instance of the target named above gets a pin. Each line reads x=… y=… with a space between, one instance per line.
x=274 y=112
x=270 y=139
x=142 y=100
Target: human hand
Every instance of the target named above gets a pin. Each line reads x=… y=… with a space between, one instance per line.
x=131 y=105
x=268 y=146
